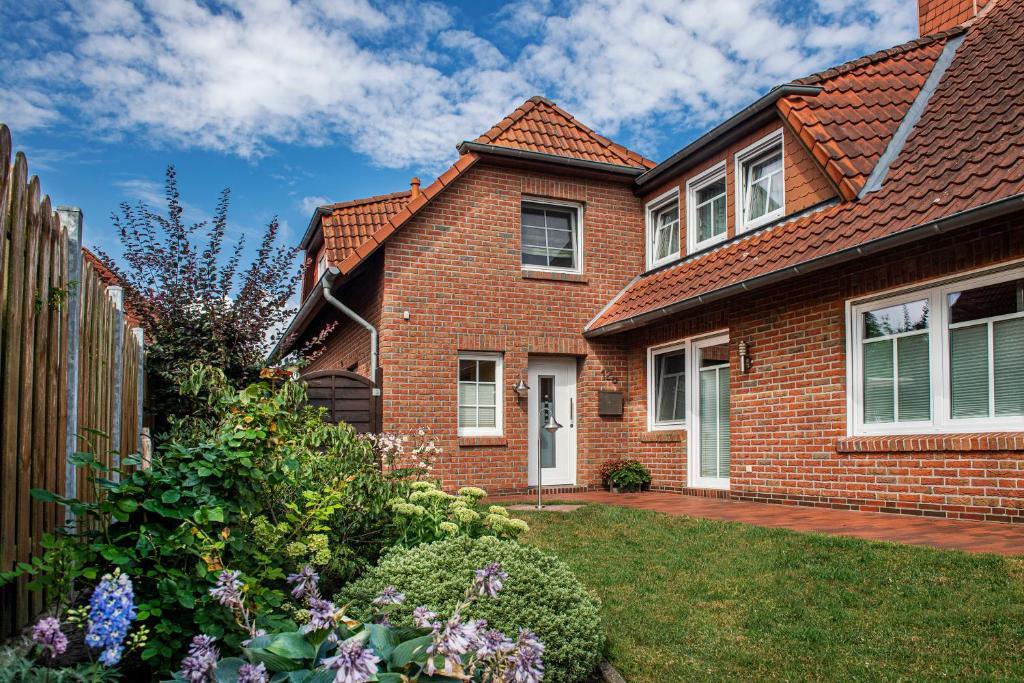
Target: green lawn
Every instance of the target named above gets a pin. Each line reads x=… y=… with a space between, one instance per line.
x=688 y=599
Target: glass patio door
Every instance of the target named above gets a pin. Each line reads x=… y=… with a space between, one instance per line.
x=709 y=438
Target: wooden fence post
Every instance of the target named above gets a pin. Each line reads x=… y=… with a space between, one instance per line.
x=116 y=295
x=71 y=220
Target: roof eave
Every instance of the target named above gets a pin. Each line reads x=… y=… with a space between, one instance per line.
x=957 y=220
x=527 y=155
x=314 y=222
x=725 y=128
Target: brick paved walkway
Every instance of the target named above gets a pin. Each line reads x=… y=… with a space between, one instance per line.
x=975 y=537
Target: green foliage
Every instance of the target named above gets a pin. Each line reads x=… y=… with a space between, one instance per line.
x=259 y=483
x=428 y=514
x=626 y=475
x=541 y=594
x=15 y=667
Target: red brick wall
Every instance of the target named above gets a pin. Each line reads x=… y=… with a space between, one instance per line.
x=456 y=269
x=939 y=15
x=349 y=343
x=805 y=184
x=788 y=421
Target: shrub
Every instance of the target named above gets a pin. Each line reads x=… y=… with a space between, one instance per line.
x=428 y=514
x=626 y=475
x=541 y=594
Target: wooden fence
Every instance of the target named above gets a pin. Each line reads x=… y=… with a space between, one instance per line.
x=69 y=364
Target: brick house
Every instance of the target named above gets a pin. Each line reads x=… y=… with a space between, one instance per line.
x=818 y=302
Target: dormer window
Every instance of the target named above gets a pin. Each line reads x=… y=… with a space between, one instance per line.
x=706 y=201
x=663 y=229
x=321 y=264
x=760 y=183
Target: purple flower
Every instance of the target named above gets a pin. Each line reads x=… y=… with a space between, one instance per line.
x=389 y=596
x=305 y=584
x=111 y=611
x=525 y=664
x=353 y=663
x=47 y=633
x=253 y=673
x=423 y=617
x=488 y=581
x=228 y=590
x=201 y=663
x=323 y=614
x=493 y=643
x=451 y=641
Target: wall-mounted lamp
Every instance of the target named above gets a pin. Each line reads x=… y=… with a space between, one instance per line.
x=521 y=388
x=744 y=357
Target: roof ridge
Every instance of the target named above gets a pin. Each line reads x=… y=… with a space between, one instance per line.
x=629 y=157
x=880 y=55
x=367 y=200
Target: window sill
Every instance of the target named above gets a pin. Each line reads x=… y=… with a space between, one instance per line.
x=477 y=441
x=989 y=441
x=667 y=436
x=557 y=277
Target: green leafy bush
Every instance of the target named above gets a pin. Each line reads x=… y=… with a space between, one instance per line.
x=625 y=475
x=428 y=514
x=541 y=594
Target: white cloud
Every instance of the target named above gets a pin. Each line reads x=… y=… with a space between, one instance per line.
x=309 y=204
x=402 y=82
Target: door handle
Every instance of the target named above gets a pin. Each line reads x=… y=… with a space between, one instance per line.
x=572 y=413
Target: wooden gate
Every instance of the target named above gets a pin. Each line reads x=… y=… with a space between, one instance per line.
x=348 y=397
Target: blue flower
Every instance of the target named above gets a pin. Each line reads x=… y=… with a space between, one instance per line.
x=111 y=611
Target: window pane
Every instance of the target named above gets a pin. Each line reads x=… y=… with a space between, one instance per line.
x=669 y=214
x=562 y=259
x=467 y=394
x=549 y=237
x=467 y=370
x=533 y=216
x=986 y=302
x=487 y=370
x=487 y=417
x=775 y=193
x=758 y=201
x=485 y=394
x=535 y=259
x=705 y=225
x=711 y=191
x=558 y=220
x=968 y=363
x=467 y=417
x=1008 y=352
x=897 y=319
x=723 y=422
x=708 y=406
x=534 y=236
x=670 y=386
x=559 y=239
x=770 y=162
x=915 y=394
x=879 y=392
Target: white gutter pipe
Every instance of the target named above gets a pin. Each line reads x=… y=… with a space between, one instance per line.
x=328 y=281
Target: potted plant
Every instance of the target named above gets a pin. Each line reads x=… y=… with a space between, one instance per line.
x=625 y=475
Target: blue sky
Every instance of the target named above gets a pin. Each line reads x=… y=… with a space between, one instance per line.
x=296 y=102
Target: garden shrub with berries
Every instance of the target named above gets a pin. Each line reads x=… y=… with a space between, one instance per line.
x=541 y=594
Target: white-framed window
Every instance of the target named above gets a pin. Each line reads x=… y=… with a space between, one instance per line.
x=321 y=264
x=663 y=229
x=760 y=183
x=666 y=386
x=480 y=394
x=946 y=358
x=552 y=235
x=706 y=199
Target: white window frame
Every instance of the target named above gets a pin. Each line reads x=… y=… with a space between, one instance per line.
x=653 y=206
x=693 y=186
x=499 y=395
x=740 y=172
x=578 y=243
x=652 y=424
x=321 y=265
x=935 y=292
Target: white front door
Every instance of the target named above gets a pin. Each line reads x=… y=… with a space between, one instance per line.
x=552 y=381
x=708 y=441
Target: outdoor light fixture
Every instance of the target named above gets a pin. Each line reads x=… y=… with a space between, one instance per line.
x=744 y=357
x=521 y=388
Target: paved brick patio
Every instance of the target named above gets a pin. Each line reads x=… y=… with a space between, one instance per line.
x=975 y=537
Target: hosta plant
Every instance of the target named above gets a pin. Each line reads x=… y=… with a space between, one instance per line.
x=331 y=647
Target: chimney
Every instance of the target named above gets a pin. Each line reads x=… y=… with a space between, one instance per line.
x=414 y=185
x=940 y=15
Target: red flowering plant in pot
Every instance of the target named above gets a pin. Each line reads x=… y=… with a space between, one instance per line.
x=625 y=475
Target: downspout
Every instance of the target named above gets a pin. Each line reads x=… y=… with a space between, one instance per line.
x=328 y=281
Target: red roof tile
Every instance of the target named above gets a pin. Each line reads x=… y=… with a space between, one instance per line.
x=351 y=223
x=849 y=124
x=111 y=279
x=966 y=151
x=539 y=125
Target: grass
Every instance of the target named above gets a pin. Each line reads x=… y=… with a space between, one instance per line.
x=688 y=600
